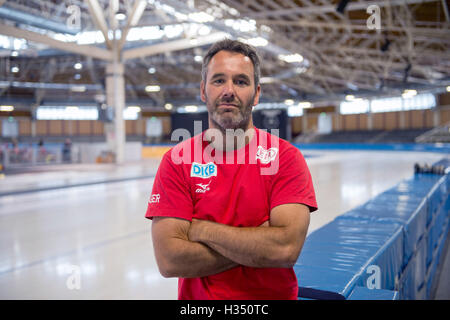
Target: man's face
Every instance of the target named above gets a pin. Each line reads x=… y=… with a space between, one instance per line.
x=229 y=91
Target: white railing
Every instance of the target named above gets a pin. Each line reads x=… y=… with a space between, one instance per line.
x=20 y=156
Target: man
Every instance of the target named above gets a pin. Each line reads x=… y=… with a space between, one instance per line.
x=231 y=229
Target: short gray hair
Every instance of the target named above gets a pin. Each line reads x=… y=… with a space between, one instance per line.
x=233 y=46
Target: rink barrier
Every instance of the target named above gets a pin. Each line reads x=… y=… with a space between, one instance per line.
x=416 y=147
x=387 y=248
x=154 y=150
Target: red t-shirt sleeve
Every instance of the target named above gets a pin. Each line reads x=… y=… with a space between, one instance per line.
x=171 y=195
x=293 y=183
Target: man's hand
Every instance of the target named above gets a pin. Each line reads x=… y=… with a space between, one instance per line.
x=276 y=245
x=198 y=226
x=176 y=256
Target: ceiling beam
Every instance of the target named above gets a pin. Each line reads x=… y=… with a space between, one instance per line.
x=173 y=46
x=85 y=50
x=96 y=12
x=135 y=15
x=26 y=18
x=353 y=6
x=446 y=11
x=348 y=26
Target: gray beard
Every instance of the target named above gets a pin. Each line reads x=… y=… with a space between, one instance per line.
x=239 y=121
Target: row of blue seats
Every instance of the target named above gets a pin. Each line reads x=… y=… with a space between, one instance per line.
x=391 y=243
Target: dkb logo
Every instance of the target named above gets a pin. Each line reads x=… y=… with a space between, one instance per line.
x=203 y=170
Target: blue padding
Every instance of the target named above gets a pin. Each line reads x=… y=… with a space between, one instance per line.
x=437 y=227
x=430 y=184
x=342 y=250
x=431 y=271
x=419 y=186
x=322 y=283
x=407 y=283
x=444 y=188
x=363 y=293
x=410 y=213
x=389 y=260
x=421 y=269
x=413 y=277
x=436 y=256
x=430 y=247
x=394 y=240
x=434 y=199
x=443 y=162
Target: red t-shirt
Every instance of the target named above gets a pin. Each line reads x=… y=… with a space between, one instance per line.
x=237 y=188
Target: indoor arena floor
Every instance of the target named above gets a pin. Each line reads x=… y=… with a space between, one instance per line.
x=94 y=233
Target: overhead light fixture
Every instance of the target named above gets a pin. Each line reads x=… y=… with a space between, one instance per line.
x=200 y=17
x=305 y=105
x=120 y=16
x=198 y=59
x=289 y=102
x=72 y=109
x=300 y=70
x=67 y=113
x=349 y=97
x=78 y=66
x=409 y=93
x=6 y=108
x=14 y=53
x=257 y=42
x=152 y=88
x=151 y=70
x=78 y=88
x=134 y=109
x=265 y=80
x=15 y=69
x=204 y=30
x=168 y=106
x=448 y=88
x=291 y=58
x=191 y=108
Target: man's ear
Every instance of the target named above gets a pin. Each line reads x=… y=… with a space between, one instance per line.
x=202 y=91
x=257 y=94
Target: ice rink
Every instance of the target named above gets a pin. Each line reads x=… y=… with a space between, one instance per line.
x=66 y=235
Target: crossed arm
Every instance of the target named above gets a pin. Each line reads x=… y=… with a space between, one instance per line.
x=201 y=248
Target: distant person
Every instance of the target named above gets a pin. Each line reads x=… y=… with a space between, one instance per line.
x=231 y=230
x=14 y=156
x=67 y=150
x=42 y=152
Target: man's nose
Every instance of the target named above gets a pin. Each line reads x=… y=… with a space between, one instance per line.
x=228 y=90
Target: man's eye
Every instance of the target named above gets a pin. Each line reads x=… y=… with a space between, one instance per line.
x=218 y=81
x=241 y=82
